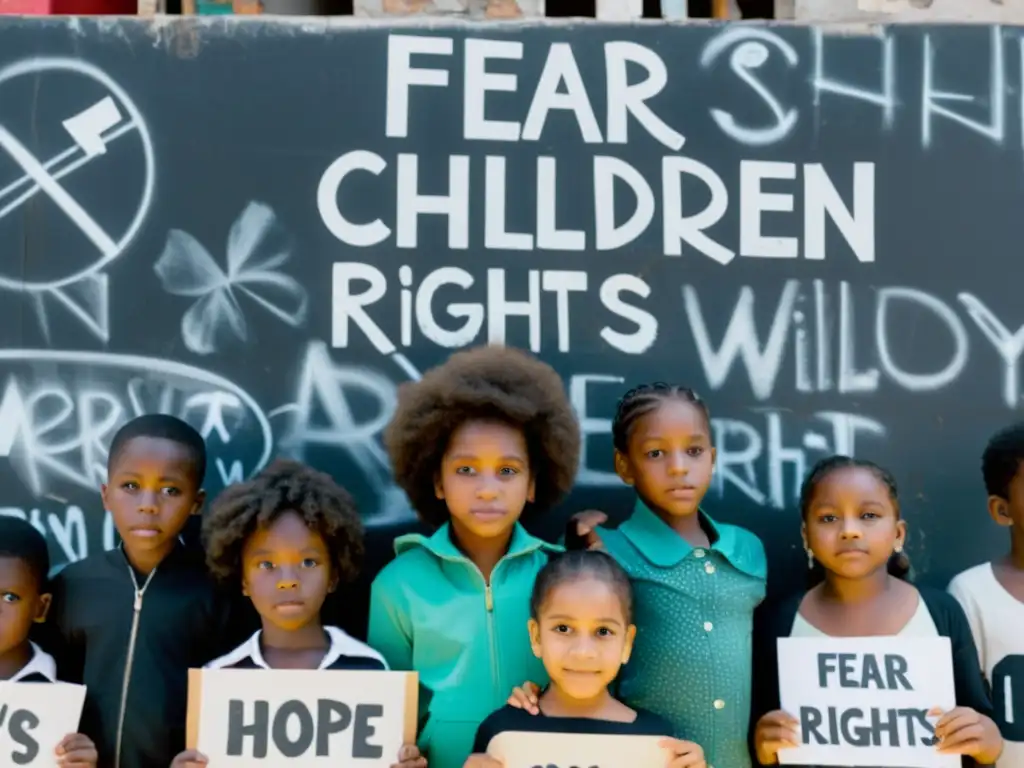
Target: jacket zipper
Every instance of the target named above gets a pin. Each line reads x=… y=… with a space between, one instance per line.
x=132 y=637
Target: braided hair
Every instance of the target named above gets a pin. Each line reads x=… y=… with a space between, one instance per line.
x=899 y=563
x=642 y=400
x=575 y=565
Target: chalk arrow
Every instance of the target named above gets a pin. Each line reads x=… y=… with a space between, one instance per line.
x=88 y=126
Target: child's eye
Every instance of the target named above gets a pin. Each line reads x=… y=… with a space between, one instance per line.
x=130 y=486
x=655 y=453
x=869 y=515
x=265 y=565
x=509 y=471
x=604 y=632
x=172 y=491
x=562 y=629
x=309 y=562
x=695 y=451
x=827 y=518
x=463 y=470
x=9 y=597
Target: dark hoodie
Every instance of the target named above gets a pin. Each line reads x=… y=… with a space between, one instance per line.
x=131 y=641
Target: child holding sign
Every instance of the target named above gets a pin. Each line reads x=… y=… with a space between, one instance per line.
x=133 y=620
x=474 y=443
x=697 y=581
x=581 y=627
x=286 y=539
x=24 y=600
x=854 y=539
x=992 y=594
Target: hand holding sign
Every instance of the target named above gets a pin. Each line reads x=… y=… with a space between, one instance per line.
x=483 y=761
x=191 y=758
x=683 y=754
x=962 y=731
x=76 y=751
x=776 y=730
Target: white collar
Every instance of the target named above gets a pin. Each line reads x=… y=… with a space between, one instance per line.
x=41 y=663
x=342 y=644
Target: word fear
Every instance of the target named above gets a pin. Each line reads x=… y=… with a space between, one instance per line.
x=875 y=728
x=853 y=670
x=19 y=723
x=329 y=719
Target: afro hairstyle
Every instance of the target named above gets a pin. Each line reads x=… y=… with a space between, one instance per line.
x=484 y=383
x=285 y=486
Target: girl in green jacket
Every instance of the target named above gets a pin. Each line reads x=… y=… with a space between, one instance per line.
x=474 y=443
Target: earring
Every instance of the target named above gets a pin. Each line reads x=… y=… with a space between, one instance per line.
x=810 y=559
x=899 y=549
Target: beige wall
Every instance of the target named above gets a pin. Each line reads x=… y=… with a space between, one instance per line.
x=1002 y=11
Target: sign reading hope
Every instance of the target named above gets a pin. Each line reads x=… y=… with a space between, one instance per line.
x=865 y=701
x=563 y=750
x=308 y=717
x=34 y=717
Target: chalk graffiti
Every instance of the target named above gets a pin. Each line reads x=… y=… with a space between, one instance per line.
x=256 y=248
x=59 y=409
x=79 y=284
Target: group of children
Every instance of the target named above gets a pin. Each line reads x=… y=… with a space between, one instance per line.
x=507 y=632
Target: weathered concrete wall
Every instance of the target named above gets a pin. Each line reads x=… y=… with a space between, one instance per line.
x=920 y=11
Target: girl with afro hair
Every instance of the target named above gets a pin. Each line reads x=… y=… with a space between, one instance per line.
x=475 y=443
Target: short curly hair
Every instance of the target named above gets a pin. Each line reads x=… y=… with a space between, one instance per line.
x=284 y=486
x=1002 y=459
x=490 y=382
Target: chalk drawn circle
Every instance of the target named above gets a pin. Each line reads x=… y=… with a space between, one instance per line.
x=75 y=66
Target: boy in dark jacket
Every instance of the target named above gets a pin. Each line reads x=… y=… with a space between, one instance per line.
x=131 y=621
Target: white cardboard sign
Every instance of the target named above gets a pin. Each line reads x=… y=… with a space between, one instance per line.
x=863 y=701
x=34 y=718
x=574 y=750
x=244 y=718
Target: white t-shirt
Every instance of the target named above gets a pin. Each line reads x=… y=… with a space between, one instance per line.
x=997 y=623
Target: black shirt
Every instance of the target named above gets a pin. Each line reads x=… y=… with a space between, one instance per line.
x=510 y=718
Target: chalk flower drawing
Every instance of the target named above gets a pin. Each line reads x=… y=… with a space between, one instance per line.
x=257 y=247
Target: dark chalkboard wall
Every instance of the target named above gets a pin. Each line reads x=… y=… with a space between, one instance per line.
x=266 y=226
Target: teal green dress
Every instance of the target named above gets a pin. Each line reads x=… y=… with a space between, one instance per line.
x=692 y=662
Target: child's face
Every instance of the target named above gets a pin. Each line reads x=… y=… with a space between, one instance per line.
x=582 y=636
x=21 y=603
x=151 y=492
x=852 y=526
x=286 y=572
x=670 y=458
x=485 y=478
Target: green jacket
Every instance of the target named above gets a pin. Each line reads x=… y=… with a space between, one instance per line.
x=432 y=612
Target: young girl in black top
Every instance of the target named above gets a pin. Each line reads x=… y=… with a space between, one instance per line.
x=854 y=539
x=581 y=628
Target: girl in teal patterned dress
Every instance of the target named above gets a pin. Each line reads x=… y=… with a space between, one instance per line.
x=697 y=581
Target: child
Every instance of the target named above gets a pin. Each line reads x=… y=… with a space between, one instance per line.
x=852 y=528
x=133 y=620
x=992 y=594
x=24 y=601
x=286 y=539
x=581 y=627
x=697 y=581
x=473 y=443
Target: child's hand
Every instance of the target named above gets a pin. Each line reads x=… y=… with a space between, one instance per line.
x=482 y=761
x=190 y=758
x=409 y=757
x=962 y=731
x=775 y=731
x=76 y=749
x=525 y=698
x=586 y=523
x=683 y=754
